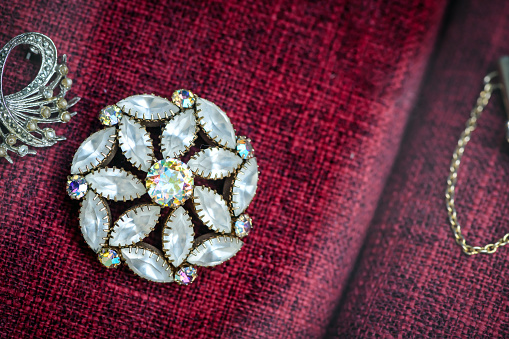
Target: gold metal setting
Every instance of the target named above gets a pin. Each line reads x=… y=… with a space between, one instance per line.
x=471 y=125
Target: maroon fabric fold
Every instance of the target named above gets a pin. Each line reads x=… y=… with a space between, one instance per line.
x=323 y=88
x=412 y=279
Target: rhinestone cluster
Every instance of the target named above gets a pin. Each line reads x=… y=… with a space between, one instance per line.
x=228 y=163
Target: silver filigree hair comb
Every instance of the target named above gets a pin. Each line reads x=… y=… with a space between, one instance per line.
x=22 y=113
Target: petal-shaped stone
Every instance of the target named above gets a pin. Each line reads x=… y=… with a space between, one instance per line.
x=148 y=107
x=94 y=151
x=212 y=209
x=178 y=134
x=178 y=236
x=116 y=184
x=135 y=224
x=147 y=262
x=214 y=163
x=215 y=123
x=244 y=186
x=215 y=250
x=135 y=143
x=95 y=220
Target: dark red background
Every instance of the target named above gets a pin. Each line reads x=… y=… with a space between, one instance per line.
x=325 y=90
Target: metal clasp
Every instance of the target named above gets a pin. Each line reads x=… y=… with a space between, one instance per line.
x=503 y=72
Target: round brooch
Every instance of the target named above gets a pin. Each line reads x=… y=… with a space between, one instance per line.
x=203 y=177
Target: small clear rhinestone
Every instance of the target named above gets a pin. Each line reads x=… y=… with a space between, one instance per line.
x=22 y=150
x=47 y=93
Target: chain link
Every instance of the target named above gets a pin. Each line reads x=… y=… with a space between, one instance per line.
x=471 y=124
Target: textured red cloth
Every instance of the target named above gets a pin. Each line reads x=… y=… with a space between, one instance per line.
x=323 y=88
x=412 y=279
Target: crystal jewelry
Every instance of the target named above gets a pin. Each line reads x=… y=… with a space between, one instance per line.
x=183 y=180
x=22 y=112
x=482 y=101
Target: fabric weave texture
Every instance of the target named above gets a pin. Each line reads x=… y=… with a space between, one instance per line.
x=411 y=278
x=325 y=90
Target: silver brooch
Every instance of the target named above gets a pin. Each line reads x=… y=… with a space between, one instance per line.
x=201 y=168
x=24 y=115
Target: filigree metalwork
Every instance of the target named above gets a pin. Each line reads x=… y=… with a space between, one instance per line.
x=22 y=112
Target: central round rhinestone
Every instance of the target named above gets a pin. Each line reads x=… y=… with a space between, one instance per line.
x=169 y=182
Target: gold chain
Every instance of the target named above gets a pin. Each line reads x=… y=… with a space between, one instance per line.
x=482 y=101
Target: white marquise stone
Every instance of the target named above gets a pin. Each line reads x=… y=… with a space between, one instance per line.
x=135 y=143
x=178 y=236
x=244 y=186
x=212 y=209
x=214 y=163
x=216 y=123
x=116 y=184
x=148 y=264
x=94 y=150
x=178 y=134
x=148 y=107
x=215 y=251
x=94 y=220
x=134 y=225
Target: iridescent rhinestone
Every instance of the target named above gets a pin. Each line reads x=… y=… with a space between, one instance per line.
x=183 y=98
x=243 y=225
x=244 y=148
x=169 y=182
x=110 y=115
x=186 y=275
x=76 y=186
x=109 y=257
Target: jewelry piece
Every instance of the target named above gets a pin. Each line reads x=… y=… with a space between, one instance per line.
x=22 y=112
x=170 y=182
x=475 y=114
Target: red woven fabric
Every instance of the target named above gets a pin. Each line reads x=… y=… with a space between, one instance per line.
x=412 y=279
x=323 y=88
